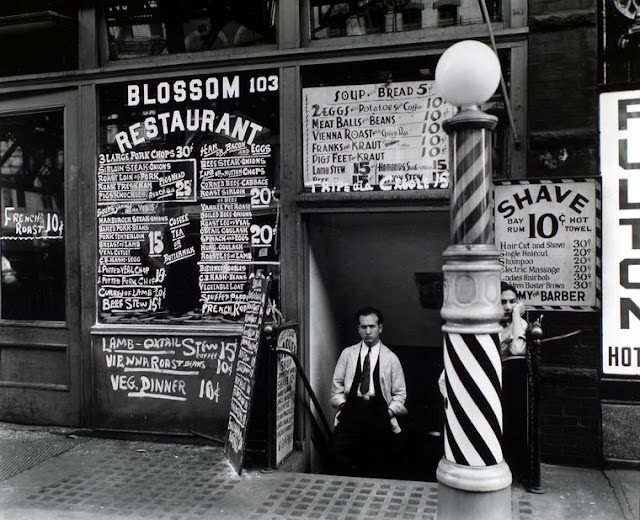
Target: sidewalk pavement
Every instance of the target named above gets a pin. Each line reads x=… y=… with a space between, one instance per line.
x=55 y=474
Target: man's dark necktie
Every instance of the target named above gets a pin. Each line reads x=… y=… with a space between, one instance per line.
x=365 y=377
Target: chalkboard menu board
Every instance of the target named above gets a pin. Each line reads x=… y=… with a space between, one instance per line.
x=286 y=378
x=172 y=382
x=187 y=196
x=244 y=380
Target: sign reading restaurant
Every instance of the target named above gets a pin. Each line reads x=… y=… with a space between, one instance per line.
x=620 y=168
x=186 y=195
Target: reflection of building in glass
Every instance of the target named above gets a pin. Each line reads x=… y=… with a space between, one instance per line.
x=621 y=41
x=32 y=205
x=152 y=28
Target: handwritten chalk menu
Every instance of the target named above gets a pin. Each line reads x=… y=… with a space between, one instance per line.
x=243 y=385
x=187 y=196
x=382 y=137
x=546 y=231
x=170 y=382
x=23 y=224
x=286 y=376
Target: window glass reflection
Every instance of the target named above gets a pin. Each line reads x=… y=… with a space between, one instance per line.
x=32 y=205
x=38 y=36
x=331 y=18
x=154 y=27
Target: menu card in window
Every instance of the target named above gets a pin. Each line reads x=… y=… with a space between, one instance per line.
x=187 y=196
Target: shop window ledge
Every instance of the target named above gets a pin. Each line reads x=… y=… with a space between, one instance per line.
x=33 y=22
x=374 y=198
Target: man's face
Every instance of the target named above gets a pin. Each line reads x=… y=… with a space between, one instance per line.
x=508 y=300
x=369 y=329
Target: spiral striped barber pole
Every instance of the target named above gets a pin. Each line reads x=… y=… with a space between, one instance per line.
x=473 y=425
x=471 y=195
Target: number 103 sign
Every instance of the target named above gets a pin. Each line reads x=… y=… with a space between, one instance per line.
x=548 y=234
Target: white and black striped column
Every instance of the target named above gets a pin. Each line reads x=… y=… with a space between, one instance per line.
x=473 y=428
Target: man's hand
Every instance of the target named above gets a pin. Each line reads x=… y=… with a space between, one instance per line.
x=518 y=310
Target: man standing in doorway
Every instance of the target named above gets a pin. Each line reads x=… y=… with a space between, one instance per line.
x=369 y=391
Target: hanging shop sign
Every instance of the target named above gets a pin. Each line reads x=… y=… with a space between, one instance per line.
x=547 y=232
x=620 y=167
x=376 y=137
x=187 y=207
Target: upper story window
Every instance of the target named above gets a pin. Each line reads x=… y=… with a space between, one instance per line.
x=154 y=27
x=38 y=36
x=620 y=42
x=331 y=18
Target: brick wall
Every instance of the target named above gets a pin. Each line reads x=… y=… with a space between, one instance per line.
x=570 y=416
x=562 y=79
x=563 y=115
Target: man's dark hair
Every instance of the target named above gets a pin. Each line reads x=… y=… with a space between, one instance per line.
x=365 y=311
x=504 y=286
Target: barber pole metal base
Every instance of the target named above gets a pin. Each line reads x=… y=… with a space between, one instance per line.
x=474 y=481
x=458 y=504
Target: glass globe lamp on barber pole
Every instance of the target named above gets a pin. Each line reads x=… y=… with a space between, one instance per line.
x=474 y=480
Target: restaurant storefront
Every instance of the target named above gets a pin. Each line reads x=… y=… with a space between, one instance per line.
x=155 y=160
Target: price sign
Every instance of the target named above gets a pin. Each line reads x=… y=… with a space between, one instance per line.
x=546 y=232
x=376 y=137
x=186 y=199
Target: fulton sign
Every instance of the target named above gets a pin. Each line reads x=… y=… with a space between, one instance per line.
x=620 y=168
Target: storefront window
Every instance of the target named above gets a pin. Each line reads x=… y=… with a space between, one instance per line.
x=38 y=36
x=330 y=18
x=153 y=27
x=620 y=42
x=32 y=204
x=187 y=196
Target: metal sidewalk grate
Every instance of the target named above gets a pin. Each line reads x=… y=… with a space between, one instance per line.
x=333 y=498
x=27 y=451
x=140 y=480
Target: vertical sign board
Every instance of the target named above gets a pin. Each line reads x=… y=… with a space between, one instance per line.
x=375 y=137
x=548 y=235
x=243 y=385
x=620 y=168
x=286 y=376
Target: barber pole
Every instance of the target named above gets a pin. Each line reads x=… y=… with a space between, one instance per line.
x=473 y=426
x=473 y=460
x=473 y=478
x=471 y=204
